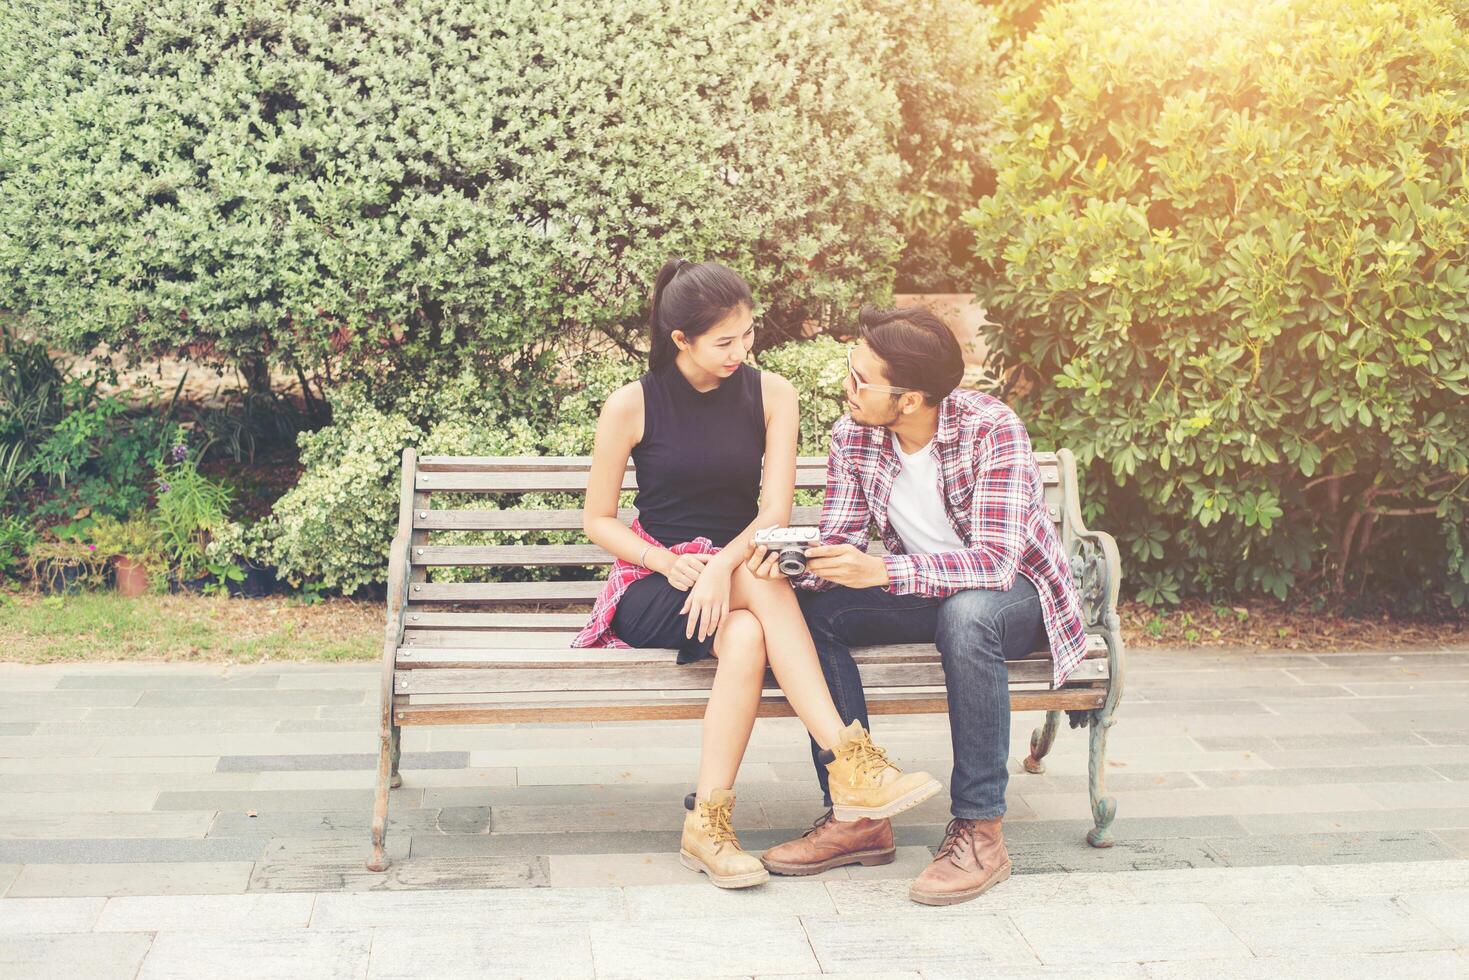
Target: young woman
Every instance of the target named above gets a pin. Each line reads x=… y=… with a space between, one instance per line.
x=714 y=443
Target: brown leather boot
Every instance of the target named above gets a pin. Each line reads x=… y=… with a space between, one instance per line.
x=832 y=843
x=971 y=860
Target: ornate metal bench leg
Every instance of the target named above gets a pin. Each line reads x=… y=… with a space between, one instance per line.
x=385 y=764
x=397 y=739
x=1040 y=743
x=1104 y=808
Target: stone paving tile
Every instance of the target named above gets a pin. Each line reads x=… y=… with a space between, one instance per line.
x=318 y=851
x=1079 y=934
x=44 y=880
x=94 y=956
x=349 y=823
x=1388 y=878
x=1454 y=737
x=1092 y=971
x=1125 y=828
x=856 y=943
x=1440 y=966
x=18 y=728
x=177 y=824
x=38 y=713
x=874 y=899
x=225 y=744
x=578 y=794
x=1204 y=692
x=1183 y=885
x=285 y=800
x=1437 y=717
x=779 y=897
x=367 y=727
x=469 y=909
x=429 y=874
x=161 y=681
x=1456 y=841
x=35 y=746
x=147 y=850
x=232 y=698
x=1309 y=849
x=1155 y=709
x=1349 y=740
x=1125 y=855
x=221 y=725
x=703 y=947
x=12 y=698
x=73 y=782
x=1417 y=795
x=630 y=772
x=266 y=954
x=359 y=760
x=203 y=913
x=1425 y=754
x=1447 y=910
x=885 y=975
x=7 y=875
x=126 y=801
x=1319 y=775
x=40 y=763
x=1357 y=925
x=1223 y=800
x=608 y=870
x=1458 y=772
x=524 y=845
x=38 y=915
x=518 y=950
x=907 y=864
x=608 y=818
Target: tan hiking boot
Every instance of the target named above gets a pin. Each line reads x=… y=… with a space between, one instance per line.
x=971 y=860
x=832 y=843
x=864 y=784
x=709 y=843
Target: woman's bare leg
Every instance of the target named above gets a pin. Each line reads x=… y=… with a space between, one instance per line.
x=790 y=650
x=733 y=700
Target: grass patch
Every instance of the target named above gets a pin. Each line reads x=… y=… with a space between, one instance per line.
x=103 y=626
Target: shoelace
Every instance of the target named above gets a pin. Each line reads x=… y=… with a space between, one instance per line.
x=821 y=821
x=958 y=840
x=718 y=820
x=869 y=760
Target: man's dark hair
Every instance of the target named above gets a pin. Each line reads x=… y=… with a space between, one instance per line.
x=919 y=349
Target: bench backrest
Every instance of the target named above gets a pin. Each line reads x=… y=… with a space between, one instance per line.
x=431 y=482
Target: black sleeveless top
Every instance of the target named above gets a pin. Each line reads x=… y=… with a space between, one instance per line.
x=699 y=460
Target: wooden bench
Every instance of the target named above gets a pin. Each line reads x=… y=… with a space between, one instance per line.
x=453 y=655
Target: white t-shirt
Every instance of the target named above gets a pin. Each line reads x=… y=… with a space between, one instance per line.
x=916 y=507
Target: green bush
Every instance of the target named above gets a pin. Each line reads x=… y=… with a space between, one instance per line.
x=347 y=182
x=334 y=526
x=1230 y=247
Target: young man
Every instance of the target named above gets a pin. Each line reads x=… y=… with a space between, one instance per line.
x=974 y=565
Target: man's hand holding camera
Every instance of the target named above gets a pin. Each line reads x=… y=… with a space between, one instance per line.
x=847 y=565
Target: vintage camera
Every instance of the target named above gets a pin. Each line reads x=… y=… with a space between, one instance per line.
x=790 y=543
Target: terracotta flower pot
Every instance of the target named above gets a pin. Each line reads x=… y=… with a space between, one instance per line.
x=132 y=578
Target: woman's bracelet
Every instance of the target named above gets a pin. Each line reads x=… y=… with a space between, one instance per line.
x=644 y=555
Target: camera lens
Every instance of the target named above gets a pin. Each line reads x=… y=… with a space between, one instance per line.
x=792 y=561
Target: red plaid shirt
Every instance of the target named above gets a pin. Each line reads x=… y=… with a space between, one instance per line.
x=991 y=489
x=598 y=632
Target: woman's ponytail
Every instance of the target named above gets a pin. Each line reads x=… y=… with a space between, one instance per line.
x=690 y=297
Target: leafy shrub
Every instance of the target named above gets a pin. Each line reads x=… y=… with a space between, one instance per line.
x=335 y=525
x=1230 y=244
x=190 y=507
x=350 y=182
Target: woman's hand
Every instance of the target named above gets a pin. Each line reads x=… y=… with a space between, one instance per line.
x=682 y=571
x=764 y=563
x=708 y=602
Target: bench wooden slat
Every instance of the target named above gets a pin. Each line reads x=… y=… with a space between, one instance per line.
x=528 y=554
x=544 y=709
x=541 y=520
x=434 y=658
x=541 y=464
x=554 y=480
x=551 y=593
x=699 y=676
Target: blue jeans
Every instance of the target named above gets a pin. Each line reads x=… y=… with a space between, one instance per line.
x=976 y=631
